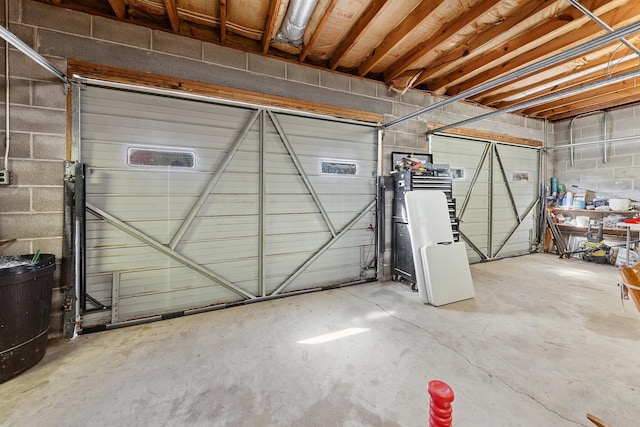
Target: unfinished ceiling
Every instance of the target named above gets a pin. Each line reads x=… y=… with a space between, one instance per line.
x=447 y=47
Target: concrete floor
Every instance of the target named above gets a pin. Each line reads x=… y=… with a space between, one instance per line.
x=544 y=342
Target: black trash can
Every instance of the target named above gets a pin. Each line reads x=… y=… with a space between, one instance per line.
x=25 y=303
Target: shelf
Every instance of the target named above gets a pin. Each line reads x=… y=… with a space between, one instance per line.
x=570 y=228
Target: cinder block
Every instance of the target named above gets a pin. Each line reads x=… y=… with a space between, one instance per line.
x=121 y=32
x=163 y=41
x=586 y=164
x=24 y=33
x=41 y=120
x=49 y=94
x=413 y=97
x=224 y=56
x=19 y=92
x=14 y=199
x=263 y=65
x=21 y=66
x=56 y=18
x=363 y=87
x=419 y=127
x=19 y=146
x=48 y=199
x=627 y=173
x=334 y=80
x=19 y=247
x=37 y=172
x=50 y=245
x=304 y=74
x=615 y=161
x=50 y=147
x=30 y=226
x=623 y=148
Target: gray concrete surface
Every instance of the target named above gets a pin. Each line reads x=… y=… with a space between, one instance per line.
x=544 y=342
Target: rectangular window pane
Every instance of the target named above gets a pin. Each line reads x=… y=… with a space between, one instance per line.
x=161 y=158
x=338 y=168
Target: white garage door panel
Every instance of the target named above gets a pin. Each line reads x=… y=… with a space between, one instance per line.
x=488 y=220
x=264 y=226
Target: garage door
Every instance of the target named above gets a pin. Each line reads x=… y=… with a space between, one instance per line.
x=496 y=189
x=192 y=204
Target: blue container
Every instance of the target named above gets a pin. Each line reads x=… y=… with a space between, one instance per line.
x=554 y=185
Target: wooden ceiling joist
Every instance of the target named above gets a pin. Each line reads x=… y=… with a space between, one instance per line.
x=223 y=21
x=354 y=35
x=577 y=30
x=446 y=32
x=478 y=43
x=398 y=34
x=599 y=98
x=269 y=28
x=325 y=17
x=498 y=100
x=172 y=12
x=119 y=8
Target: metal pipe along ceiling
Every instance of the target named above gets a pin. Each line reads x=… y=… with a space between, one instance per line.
x=553 y=60
x=295 y=21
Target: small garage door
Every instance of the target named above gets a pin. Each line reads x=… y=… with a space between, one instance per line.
x=496 y=190
x=192 y=204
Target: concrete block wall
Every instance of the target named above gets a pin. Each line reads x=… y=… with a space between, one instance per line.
x=32 y=209
x=619 y=176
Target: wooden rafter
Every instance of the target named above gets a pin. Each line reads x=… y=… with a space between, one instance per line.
x=223 y=21
x=172 y=12
x=398 y=34
x=269 y=27
x=119 y=8
x=599 y=97
x=476 y=45
x=316 y=33
x=572 y=34
x=498 y=100
x=619 y=101
x=356 y=32
x=446 y=32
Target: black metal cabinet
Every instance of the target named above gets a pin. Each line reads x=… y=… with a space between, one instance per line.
x=404 y=182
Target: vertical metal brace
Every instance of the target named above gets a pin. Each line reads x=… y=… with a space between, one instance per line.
x=490 y=222
x=115 y=296
x=262 y=213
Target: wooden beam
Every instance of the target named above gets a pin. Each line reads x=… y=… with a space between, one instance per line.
x=618 y=103
x=119 y=8
x=600 y=97
x=269 y=26
x=398 y=34
x=223 y=21
x=492 y=136
x=316 y=33
x=119 y=75
x=534 y=46
x=447 y=31
x=172 y=11
x=356 y=32
x=497 y=100
x=478 y=43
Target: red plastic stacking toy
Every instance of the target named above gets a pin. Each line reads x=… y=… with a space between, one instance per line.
x=440 y=406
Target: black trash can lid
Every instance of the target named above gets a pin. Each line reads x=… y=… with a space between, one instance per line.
x=11 y=265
